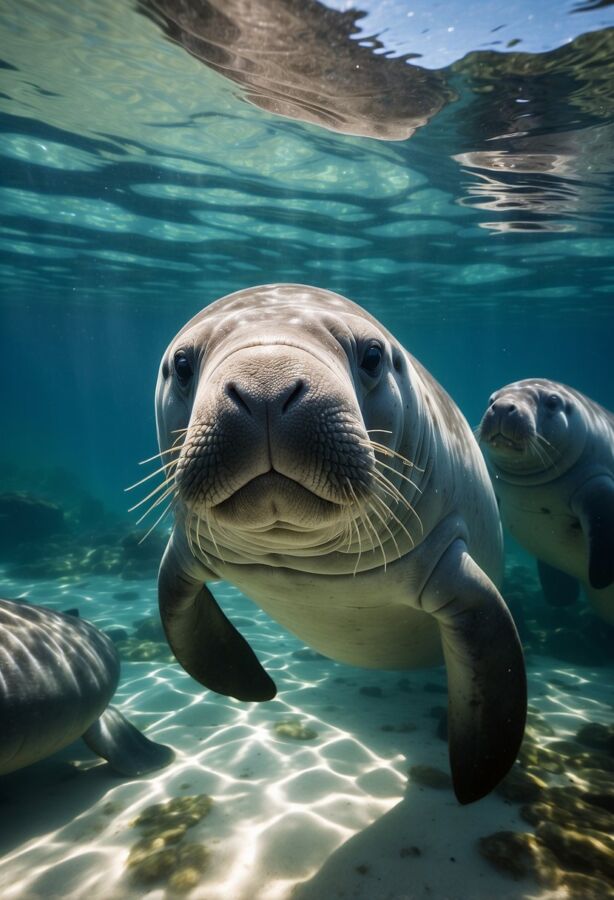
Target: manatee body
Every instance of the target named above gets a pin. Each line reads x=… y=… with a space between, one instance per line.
x=57 y=676
x=550 y=451
x=316 y=465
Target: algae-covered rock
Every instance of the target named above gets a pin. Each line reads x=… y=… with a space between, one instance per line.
x=531 y=754
x=521 y=855
x=179 y=865
x=117 y=634
x=176 y=813
x=597 y=737
x=25 y=518
x=149 y=629
x=151 y=860
x=135 y=650
x=591 y=759
x=294 y=730
x=577 y=849
x=586 y=887
x=162 y=854
x=602 y=797
x=371 y=691
x=401 y=727
x=572 y=814
x=429 y=776
x=521 y=786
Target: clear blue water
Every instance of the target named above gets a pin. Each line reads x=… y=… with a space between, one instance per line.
x=470 y=209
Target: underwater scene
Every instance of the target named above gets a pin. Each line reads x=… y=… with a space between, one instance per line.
x=307 y=460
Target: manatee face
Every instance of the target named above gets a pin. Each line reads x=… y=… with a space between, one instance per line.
x=274 y=405
x=532 y=426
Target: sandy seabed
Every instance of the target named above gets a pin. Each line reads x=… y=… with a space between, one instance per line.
x=331 y=816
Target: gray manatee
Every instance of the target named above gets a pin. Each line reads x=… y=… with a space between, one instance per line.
x=57 y=676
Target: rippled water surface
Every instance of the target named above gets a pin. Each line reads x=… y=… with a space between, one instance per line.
x=450 y=167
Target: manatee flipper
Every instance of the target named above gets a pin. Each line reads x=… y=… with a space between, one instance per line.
x=127 y=750
x=205 y=643
x=487 y=689
x=593 y=503
x=559 y=588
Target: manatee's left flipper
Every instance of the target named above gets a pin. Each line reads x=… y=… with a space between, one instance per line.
x=593 y=504
x=127 y=750
x=559 y=588
x=487 y=689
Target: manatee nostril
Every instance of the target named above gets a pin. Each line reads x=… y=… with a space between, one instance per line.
x=234 y=394
x=511 y=407
x=293 y=395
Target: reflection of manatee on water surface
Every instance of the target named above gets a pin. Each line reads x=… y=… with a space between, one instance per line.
x=299 y=59
x=316 y=465
x=57 y=676
x=550 y=450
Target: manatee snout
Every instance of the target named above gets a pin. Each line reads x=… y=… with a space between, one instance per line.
x=278 y=416
x=508 y=421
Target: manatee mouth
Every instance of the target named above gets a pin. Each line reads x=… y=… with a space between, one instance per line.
x=500 y=441
x=271 y=484
x=273 y=498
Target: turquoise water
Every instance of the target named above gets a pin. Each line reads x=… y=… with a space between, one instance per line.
x=464 y=196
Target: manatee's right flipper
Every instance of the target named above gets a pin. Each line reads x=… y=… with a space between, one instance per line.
x=559 y=588
x=487 y=689
x=127 y=750
x=593 y=503
x=205 y=643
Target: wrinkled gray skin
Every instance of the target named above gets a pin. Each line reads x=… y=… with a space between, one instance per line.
x=550 y=451
x=377 y=558
x=57 y=676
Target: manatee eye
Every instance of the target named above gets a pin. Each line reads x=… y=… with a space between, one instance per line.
x=372 y=358
x=491 y=399
x=183 y=367
x=553 y=402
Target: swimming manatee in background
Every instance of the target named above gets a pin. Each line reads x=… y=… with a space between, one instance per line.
x=57 y=676
x=315 y=464
x=550 y=452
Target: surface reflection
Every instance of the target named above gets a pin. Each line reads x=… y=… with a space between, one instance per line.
x=299 y=59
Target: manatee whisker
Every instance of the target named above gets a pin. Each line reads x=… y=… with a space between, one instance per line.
x=157 y=522
x=217 y=549
x=388 y=451
x=360 y=516
x=554 y=450
x=368 y=524
x=390 y=489
x=149 y=459
x=398 y=521
x=380 y=430
x=162 y=486
x=544 y=458
x=173 y=462
x=198 y=543
x=188 y=531
x=347 y=530
x=378 y=462
x=200 y=546
x=384 y=523
x=379 y=540
x=170 y=490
